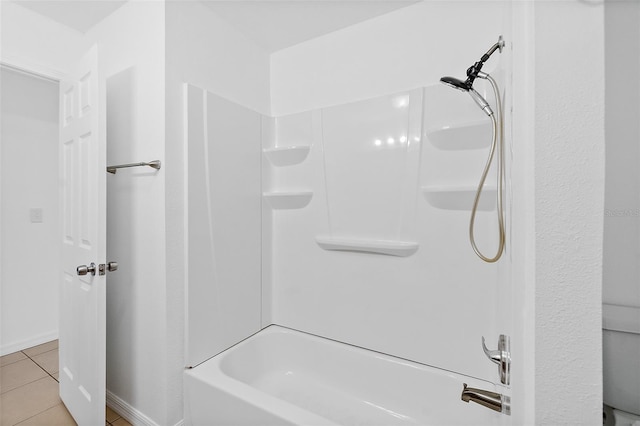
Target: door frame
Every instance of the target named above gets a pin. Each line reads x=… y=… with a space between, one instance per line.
x=33 y=68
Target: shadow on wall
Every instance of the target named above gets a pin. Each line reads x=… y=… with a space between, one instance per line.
x=121 y=216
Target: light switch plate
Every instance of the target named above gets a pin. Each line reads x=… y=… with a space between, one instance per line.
x=36 y=215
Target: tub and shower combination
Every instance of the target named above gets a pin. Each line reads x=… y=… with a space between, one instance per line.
x=328 y=241
x=284 y=377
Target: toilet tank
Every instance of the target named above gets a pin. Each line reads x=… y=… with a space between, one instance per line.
x=621 y=357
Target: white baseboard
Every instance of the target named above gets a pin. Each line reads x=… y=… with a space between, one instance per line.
x=130 y=413
x=10 y=348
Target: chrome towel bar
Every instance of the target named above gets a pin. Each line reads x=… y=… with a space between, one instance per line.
x=154 y=164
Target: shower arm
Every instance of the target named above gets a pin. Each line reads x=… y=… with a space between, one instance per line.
x=474 y=70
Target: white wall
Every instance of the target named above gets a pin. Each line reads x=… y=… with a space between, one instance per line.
x=29 y=294
x=442 y=296
x=132 y=59
x=205 y=51
x=401 y=50
x=36 y=42
x=569 y=206
x=622 y=196
x=621 y=275
x=33 y=42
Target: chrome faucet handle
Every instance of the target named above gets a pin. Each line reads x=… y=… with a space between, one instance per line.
x=494 y=356
x=501 y=357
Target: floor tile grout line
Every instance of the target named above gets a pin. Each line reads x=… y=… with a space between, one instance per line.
x=13 y=362
x=25 y=384
x=22 y=351
x=116 y=413
x=37 y=414
x=41 y=367
x=41 y=353
x=31 y=358
x=33 y=381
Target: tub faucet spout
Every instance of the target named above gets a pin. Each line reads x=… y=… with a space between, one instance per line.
x=495 y=401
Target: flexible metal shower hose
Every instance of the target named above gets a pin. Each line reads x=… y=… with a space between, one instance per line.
x=496 y=144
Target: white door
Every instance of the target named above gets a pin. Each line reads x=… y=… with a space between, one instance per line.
x=83 y=207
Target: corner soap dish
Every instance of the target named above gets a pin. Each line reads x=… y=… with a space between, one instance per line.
x=288 y=200
x=459 y=197
x=387 y=247
x=287 y=156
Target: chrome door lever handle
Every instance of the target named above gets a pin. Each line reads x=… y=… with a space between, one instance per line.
x=501 y=357
x=84 y=269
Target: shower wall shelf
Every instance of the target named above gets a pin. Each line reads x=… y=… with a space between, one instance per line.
x=287 y=155
x=464 y=136
x=387 y=247
x=460 y=197
x=288 y=200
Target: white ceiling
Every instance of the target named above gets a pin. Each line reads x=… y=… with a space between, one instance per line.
x=80 y=15
x=272 y=24
x=277 y=24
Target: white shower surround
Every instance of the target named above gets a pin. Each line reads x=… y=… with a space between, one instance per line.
x=355 y=207
x=376 y=302
x=368 y=163
x=400 y=306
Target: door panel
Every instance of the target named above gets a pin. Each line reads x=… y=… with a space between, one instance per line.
x=83 y=241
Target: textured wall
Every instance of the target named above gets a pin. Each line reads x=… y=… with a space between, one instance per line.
x=569 y=170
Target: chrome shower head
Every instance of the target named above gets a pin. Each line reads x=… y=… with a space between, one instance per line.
x=465 y=86
x=474 y=72
x=455 y=83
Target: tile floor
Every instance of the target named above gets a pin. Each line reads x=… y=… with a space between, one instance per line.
x=29 y=390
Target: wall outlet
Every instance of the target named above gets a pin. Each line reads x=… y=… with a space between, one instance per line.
x=36 y=215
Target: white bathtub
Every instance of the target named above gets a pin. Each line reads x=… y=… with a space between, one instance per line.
x=284 y=377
